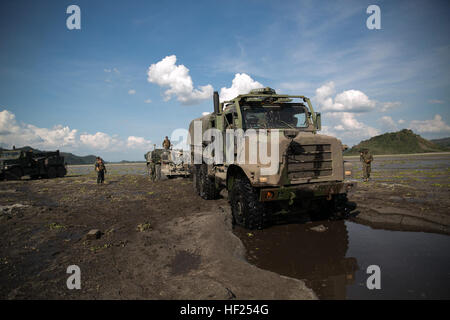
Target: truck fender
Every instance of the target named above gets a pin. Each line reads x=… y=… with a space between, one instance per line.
x=232 y=172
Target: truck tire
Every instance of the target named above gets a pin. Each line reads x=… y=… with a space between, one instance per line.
x=246 y=208
x=51 y=173
x=61 y=171
x=13 y=174
x=207 y=186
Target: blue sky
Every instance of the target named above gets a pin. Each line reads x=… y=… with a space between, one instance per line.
x=88 y=91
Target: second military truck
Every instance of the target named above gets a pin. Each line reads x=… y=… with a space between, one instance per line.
x=310 y=166
x=173 y=163
x=17 y=163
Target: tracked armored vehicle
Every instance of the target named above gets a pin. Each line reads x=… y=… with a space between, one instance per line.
x=15 y=164
x=309 y=166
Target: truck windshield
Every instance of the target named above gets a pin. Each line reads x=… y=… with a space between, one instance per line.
x=285 y=116
x=6 y=155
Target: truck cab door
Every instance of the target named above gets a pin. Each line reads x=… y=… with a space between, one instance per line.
x=231 y=121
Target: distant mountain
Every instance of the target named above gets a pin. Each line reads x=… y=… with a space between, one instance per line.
x=401 y=142
x=69 y=158
x=129 y=161
x=444 y=142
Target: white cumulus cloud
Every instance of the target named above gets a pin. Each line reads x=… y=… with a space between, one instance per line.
x=14 y=133
x=341 y=113
x=242 y=83
x=389 y=105
x=348 y=124
x=176 y=78
x=434 y=125
x=8 y=124
x=388 y=124
x=346 y=101
x=352 y=100
x=21 y=134
x=346 y=127
x=99 y=140
x=138 y=143
x=131 y=91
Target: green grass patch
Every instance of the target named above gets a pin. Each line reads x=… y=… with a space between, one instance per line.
x=56 y=226
x=142 y=227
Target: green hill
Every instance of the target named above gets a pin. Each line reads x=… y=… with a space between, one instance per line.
x=444 y=142
x=401 y=142
x=69 y=158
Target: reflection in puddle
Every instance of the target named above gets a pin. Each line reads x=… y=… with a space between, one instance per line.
x=333 y=262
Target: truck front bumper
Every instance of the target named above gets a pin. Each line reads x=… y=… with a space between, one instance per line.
x=312 y=190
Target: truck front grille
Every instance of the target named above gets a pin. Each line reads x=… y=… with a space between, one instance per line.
x=309 y=161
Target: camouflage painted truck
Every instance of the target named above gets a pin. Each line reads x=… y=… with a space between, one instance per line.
x=173 y=162
x=15 y=164
x=309 y=168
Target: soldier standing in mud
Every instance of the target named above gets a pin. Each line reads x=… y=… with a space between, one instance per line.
x=155 y=167
x=152 y=170
x=101 y=170
x=166 y=143
x=366 y=158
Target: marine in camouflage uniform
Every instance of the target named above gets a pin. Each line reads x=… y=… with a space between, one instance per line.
x=101 y=170
x=166 y=143
x=152 y=170
x=155 y=167
x=366 y=158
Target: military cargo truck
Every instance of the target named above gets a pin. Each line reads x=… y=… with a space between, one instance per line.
x=310 y=166
x=173 y=162
x=15 y=164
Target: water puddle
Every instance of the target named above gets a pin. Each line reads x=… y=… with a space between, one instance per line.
x=333 y=259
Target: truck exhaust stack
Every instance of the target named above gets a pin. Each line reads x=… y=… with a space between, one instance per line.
x=216 y=102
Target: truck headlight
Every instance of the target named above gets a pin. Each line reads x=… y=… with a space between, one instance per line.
x=348 y=172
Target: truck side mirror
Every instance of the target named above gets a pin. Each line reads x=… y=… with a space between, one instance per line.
x=318 y=121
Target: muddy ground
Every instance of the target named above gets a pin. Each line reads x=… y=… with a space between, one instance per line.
x=161 y=241
x=408 y=193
